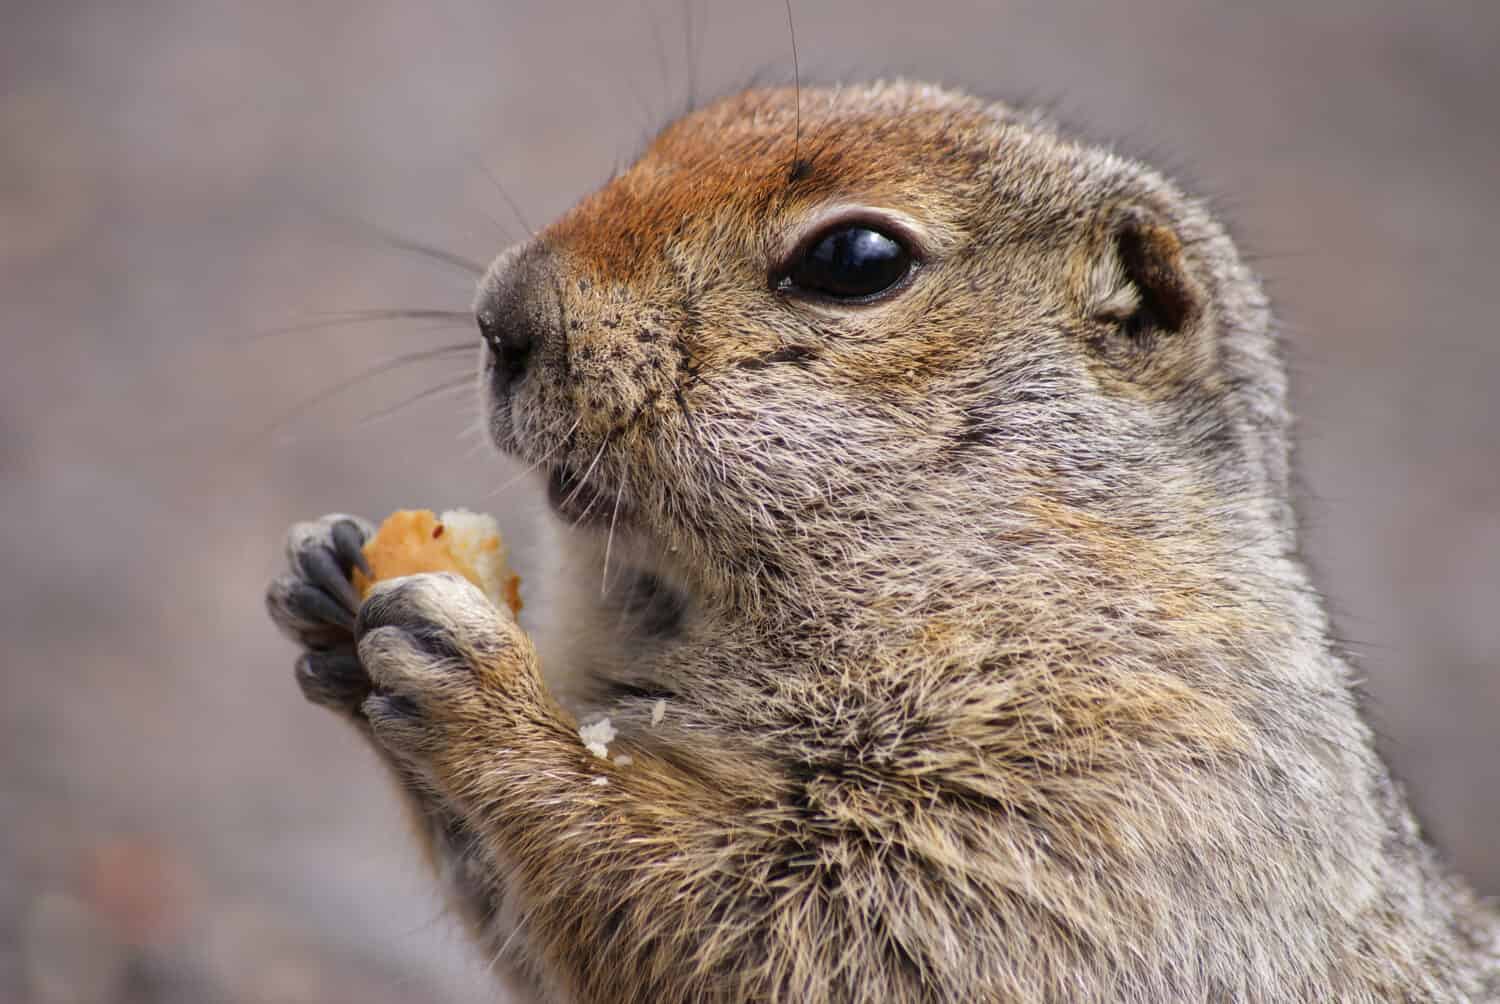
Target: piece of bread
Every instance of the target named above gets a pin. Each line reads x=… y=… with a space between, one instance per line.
x=414 y=540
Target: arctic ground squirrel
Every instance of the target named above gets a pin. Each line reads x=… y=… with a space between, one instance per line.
x=954 y=642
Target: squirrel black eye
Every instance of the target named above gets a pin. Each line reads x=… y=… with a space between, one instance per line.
x=850 y=263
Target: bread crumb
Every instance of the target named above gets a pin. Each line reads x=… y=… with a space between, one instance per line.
x=658 y=712
x=597 y=737
x=624 y=760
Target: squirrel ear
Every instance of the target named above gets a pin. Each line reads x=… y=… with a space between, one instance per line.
x=1155 y=307
x=1169 y=298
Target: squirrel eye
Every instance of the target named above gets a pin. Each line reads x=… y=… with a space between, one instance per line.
x=851 y=263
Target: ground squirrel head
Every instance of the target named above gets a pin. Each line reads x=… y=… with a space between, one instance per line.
x=926 y=345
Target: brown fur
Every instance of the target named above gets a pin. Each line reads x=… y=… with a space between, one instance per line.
x=996 y=677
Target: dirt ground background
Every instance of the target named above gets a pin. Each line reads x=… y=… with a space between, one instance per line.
x=175 y=824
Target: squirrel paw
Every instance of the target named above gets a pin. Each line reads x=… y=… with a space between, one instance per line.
x=315 y=605
x=442 y=662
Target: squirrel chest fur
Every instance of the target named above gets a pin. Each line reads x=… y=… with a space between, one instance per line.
x=935 y=468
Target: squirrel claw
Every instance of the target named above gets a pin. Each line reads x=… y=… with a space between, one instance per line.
x=348 y=545
x=322 y=566
x=334 y=679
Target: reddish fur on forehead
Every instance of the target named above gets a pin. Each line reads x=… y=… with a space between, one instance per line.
x=731 y=164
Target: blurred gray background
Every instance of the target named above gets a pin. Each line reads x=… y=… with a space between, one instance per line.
x=175 y=824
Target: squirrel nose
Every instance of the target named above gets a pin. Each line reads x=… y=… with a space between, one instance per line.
x=510 y=344
x=515 y=312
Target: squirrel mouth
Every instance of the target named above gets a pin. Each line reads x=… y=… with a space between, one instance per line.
x=578 y=499
x=642 y=583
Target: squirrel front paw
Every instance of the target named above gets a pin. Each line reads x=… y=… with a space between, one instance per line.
x=445 y=665
x=315 y=605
